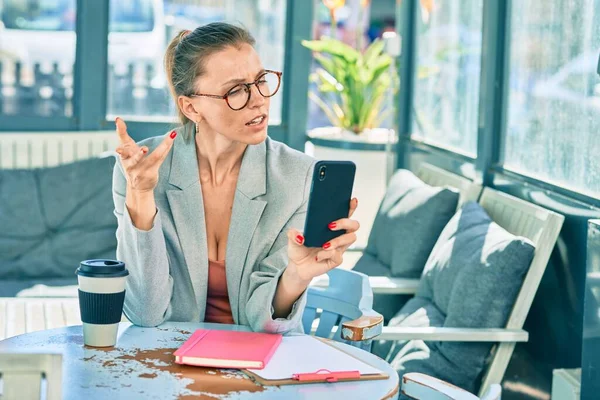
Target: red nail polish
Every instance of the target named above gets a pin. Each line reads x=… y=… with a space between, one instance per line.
x=173 y=135
x=326 y=245
x=332 y=225
x=299 y=239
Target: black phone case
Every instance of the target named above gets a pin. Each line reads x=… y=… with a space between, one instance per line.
x=329 y=201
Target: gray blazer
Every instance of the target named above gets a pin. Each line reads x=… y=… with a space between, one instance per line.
x=168 y=264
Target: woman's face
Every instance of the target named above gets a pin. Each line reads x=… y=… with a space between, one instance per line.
x=225 y=70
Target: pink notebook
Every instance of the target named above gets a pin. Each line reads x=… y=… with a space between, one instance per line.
x=228 y=349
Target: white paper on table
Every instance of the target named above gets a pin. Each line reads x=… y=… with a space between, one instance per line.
x=306 y=354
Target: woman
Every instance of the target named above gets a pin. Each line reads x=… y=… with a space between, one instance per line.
x=209 y=214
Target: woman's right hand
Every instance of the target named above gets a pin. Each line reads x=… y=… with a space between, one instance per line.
x=141 y=171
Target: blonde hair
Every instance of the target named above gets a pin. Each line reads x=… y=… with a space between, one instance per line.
x=186 y=55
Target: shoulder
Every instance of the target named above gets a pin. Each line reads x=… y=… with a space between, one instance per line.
x=286 y=162
x=289 y=173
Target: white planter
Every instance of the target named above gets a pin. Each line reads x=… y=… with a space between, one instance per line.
x=373 y=152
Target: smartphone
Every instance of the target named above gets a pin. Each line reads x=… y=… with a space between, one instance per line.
x=329 y=200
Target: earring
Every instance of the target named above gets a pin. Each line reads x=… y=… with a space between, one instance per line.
x=197 y=127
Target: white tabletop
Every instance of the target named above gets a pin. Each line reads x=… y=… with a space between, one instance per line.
x=142 y=366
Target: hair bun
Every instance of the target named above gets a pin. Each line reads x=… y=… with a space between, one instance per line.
x=182 y=35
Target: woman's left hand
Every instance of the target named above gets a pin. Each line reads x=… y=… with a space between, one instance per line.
x=306 y=263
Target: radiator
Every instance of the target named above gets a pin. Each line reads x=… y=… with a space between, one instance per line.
x=33 y=150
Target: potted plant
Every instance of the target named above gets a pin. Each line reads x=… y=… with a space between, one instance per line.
x=355 y=90
x=352 y=85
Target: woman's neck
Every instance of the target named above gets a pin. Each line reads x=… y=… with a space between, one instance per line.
x=218 y=158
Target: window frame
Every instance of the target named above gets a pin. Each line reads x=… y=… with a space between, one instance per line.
x=91 y=81
x=488 y=165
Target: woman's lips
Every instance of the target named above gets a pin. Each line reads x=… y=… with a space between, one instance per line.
x=258 y=120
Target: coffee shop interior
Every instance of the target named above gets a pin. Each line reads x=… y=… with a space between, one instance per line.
x=473 y=127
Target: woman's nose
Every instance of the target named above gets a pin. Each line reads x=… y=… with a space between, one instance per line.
x=256 y=99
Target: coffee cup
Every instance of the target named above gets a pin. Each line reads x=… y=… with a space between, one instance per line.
x=101 y=297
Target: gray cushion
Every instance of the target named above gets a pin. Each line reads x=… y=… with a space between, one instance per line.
x=418 y=312
x=385 y=304
x=371 y=264
x=472 y=278
x=411 y=216
x=56 y=217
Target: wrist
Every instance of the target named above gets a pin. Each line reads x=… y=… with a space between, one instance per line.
x=293 y=280
x=139 y=193
x=141 y=207
x=138 y=198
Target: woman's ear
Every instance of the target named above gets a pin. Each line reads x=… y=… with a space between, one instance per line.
x=188 y=108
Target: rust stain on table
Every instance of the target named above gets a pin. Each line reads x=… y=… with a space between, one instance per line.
x=109 y=363
x=208 y=381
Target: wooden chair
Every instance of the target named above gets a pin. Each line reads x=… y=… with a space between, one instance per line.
x=521 y=218
x=23 y=373
x=433 y=176
x=343 y=310
x=423 y=387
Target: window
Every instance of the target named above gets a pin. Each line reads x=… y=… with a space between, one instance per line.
x=141 y=29
x=39 y=15
x=37 y=54
x=131 y=16
x=447 y=77
x=554 y=101
x=352 y=18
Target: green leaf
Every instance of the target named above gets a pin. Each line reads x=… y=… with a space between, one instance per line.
x=328 y=81
x=345 y=106
x=339 y=112
x=323 y=106
x=371 y=115
x=341 y=68
x=328 y=64
x=333 y=47
x=353 y=85
x=382 y=65
x=373 y=51
x=372 y=107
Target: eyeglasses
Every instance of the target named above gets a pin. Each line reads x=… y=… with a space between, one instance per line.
x=238 y=97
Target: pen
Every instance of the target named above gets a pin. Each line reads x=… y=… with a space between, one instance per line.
x=326 y=376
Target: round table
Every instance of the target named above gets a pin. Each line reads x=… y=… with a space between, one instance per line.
x=141 y=366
